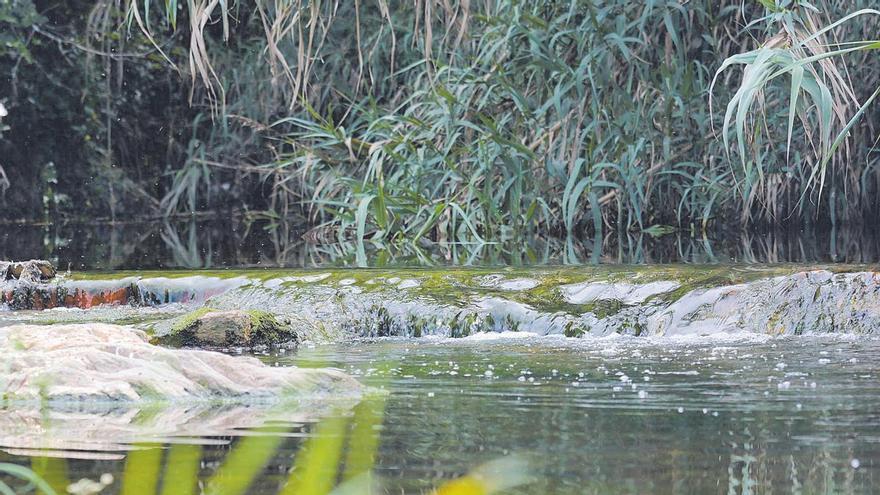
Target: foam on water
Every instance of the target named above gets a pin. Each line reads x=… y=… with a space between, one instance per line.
x=336 y=305
x=95 y=363
x=808 y=302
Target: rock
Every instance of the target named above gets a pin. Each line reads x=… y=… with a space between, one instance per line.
x=88 y=365
x=212 y=328
x=32 y=271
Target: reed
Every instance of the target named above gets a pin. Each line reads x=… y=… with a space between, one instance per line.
x=478 y=121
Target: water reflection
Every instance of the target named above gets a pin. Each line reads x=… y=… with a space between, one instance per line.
x=234 y=242
x=619 y=415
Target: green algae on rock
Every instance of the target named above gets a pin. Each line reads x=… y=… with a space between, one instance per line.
x=336 y=304
x=207 y=327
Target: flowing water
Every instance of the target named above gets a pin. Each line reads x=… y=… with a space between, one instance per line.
x=618 y=415
x=615 y=379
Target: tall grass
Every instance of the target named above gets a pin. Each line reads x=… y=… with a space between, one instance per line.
x=474 y=120
x=820 y=93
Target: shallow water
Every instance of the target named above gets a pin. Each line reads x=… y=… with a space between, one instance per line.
x=628 y=416
x=767 y=382
x=614 y=415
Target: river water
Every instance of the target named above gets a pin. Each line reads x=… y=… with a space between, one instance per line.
x=734 y=408
x=629 y=416
x=235 y=242
x=614 y=415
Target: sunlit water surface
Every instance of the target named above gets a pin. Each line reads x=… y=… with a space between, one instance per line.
x=616 y=415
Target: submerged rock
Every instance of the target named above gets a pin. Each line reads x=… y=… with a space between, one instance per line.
x=105 y=431
x=336 y=305
x=210 y=328
x=99 y=362
x=574 y=303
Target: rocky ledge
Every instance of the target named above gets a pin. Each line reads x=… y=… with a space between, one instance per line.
x=33 y=271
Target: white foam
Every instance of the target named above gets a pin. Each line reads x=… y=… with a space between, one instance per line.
x=623 y=292
x=99 y=362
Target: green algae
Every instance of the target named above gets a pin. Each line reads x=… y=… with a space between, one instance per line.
x=454 y=299
x=185 y=322
x=262 y=328
x=459 y=286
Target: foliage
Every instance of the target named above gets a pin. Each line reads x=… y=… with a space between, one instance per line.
x=471 y=121
x=820 y=93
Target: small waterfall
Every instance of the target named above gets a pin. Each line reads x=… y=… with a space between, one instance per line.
x=135 y=291
x=336 y=306
x=578 y=302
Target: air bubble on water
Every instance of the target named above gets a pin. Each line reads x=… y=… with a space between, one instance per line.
x=643 y=394
x=799 y=406
x=430 y=394
x=521 y=379
x=812 y=384
x=855 y=463
x=488 y=373
x=680 y=410
x=705 y=411
x=784 y=386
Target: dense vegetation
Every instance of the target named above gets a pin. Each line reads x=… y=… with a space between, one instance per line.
x=441 y=119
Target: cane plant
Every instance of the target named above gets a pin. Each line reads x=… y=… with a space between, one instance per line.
x=820 y=94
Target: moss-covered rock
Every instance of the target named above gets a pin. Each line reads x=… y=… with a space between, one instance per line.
x=207 y=327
